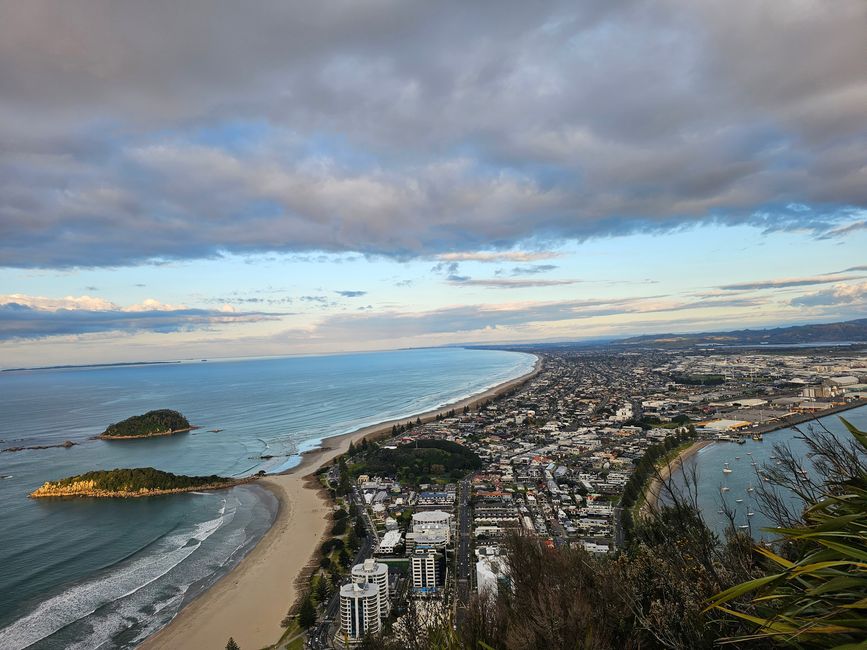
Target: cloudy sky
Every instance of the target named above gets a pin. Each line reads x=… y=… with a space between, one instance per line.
x=222 y=179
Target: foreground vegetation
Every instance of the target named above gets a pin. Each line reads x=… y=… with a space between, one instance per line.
x=678 y=585
x=143 y=481
x=153 y=423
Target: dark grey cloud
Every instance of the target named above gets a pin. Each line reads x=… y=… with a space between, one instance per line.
x=19 y=321
x=351 y=294
x=140 y=132
x=782 y=283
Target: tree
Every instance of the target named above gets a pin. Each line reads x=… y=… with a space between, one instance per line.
x=360 y=528
x=352 y=540
x=307 y=613
x=322 y=590
x=344 y=558
x=231 y=645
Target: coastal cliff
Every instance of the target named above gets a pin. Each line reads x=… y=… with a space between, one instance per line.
x=130 y=483
x=161 y=422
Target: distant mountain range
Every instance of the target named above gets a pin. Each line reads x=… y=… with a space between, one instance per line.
x=853 y=331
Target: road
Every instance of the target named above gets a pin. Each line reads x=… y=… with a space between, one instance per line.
x=464 y=564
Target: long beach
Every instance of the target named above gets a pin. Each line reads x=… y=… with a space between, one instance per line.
x=249 y=602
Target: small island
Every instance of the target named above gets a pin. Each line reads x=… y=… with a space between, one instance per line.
x=129 y=483
x=162 y=422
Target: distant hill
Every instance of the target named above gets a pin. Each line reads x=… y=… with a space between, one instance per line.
x=848 y=331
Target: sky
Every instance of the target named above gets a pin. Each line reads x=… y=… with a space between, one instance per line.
x=210 y=179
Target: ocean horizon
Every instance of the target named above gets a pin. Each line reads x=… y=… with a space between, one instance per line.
x=87 y=573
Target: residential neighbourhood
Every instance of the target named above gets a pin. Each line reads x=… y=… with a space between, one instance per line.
x=554 y=456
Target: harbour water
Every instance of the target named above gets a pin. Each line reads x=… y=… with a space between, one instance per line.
x=744 y=479
x=107 y=573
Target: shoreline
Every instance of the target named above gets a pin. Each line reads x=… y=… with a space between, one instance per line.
x=654 y=487
x=106 y=494
x=155 y=434
x=250 y=601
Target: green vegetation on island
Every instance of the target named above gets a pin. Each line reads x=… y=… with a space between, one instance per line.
x=421 y=461
x=141 y=481
x=162 y=422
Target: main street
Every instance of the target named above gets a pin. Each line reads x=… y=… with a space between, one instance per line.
x=463 y=559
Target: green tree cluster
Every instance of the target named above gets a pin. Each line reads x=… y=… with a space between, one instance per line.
x=418 y=461
x=644 y=470
x=159 y=421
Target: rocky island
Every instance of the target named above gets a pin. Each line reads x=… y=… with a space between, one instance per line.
x=162 y=422
x=128 y=483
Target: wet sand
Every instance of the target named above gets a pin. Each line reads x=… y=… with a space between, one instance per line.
x=250 y=601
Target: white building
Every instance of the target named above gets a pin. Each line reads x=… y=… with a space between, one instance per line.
x=432 y=520
x=375 y=573
x=359 y=612
x=389 y=541
x=425 y=565
x=490 y=571
x=437 y=538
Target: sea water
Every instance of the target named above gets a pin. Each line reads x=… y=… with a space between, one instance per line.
x=87 y=573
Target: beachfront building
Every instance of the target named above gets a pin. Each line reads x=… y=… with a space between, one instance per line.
x=359 y=612
x=427 y=571
x=375 y=573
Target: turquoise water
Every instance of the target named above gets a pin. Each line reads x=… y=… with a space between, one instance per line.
x=710 y=461
x=94 y=573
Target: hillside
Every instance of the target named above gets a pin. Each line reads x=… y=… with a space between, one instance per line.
x=848 y=331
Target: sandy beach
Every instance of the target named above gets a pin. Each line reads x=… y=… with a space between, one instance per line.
x=249 y=602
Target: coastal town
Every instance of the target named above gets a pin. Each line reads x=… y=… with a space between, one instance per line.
x=420 y=516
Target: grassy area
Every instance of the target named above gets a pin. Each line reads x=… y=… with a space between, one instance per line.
x=288 y=639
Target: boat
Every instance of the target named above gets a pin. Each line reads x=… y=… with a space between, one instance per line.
x=749 y=453
x=750 y=513
x=737 y=457
x=744 y=526
x=739 y=500
x=750 y=488
x=726 y=469
x=741 y=441
x=757 y=437
x=723 y=489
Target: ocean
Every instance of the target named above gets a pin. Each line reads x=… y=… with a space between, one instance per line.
x=91 y=573
x=710 y=461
